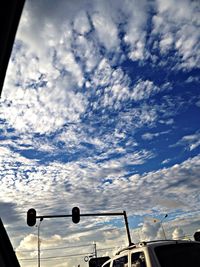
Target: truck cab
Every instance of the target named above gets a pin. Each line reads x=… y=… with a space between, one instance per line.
x=163 y=253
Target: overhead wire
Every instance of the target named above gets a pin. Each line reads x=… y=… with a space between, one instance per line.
x=56 y=257
x=46 y=249
x=66 y=256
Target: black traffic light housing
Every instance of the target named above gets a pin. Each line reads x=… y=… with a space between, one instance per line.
x=197 y=236
x=76 y=215
x=31 y=217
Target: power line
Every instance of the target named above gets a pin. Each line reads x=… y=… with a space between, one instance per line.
x=46 y=249
x=56 y=248
x=66 y=256
x=78 y=246
x=57 y=257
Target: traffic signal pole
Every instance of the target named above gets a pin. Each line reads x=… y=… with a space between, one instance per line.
x=127 y=228
x=89 y=215
x=39 y=241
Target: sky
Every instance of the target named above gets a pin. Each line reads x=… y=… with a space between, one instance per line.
x=101 y=109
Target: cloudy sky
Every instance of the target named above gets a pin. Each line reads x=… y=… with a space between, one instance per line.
x=101 y=109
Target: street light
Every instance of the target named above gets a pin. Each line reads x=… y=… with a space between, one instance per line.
x=41 y=219
x=162 y=225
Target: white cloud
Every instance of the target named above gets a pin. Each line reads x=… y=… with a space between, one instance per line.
x=53 y=248
x=106 y=30
x=53 y=182
x=135 y=28
x=148 y=231
x=57 y=74
x=191 y=141
x=46 y=107
x=192 y=79
x=64 y=81
x=51 y=112
x=65 y=61
x=152 y=231
x=166 y=43
x=166 y=161
x=198 y=103
x=46 y=20
x=144 y=90
x=150 y=136
x=81 y=23
x=178 y=233
x=176 y=24
x=136 y=158
x=69 y=179
x=87 y=51
x=103 y=74
x=176 y=228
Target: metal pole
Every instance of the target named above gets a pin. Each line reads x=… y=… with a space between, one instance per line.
x=162 y=226
x=41 y=219
x=163 y=231
x=127 y=228
x=95 y=250
x=95 y=254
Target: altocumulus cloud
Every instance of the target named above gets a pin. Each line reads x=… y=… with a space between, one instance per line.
x=93 y=108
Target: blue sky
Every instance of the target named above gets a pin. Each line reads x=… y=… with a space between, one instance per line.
x=101 y=110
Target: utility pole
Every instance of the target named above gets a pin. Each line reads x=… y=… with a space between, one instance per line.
x=95 y=250
x=39 y=242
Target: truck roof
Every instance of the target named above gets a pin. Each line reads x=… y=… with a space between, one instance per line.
x=154 y=243
x=159 y=250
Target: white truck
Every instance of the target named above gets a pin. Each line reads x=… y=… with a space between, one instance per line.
x=163 y=253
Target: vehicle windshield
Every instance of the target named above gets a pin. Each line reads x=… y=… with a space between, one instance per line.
x=179 y=255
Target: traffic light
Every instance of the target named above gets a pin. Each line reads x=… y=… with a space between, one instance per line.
x=76 y=215
x=31 y=217
x=197 y=236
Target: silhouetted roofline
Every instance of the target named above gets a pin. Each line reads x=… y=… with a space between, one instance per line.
x=7 y=254
x=10 y=13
